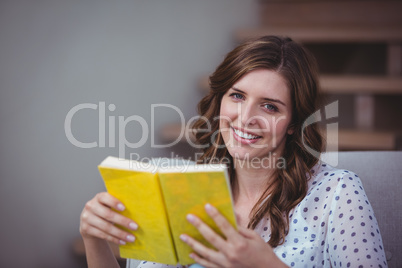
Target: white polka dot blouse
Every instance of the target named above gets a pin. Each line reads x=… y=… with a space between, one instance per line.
x=333 y=226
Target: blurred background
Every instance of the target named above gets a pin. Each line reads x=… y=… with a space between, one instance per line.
x=112 y=61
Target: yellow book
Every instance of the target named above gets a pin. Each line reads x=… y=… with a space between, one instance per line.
x=158 y=198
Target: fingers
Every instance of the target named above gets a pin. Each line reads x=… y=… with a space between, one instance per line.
x=110 y=201
x=112 y=216
x=99 y=220
x=216 y=240
x=223 y=224
x=98 y=227
x=205 y=256
x=230 y=252
x=107 y=201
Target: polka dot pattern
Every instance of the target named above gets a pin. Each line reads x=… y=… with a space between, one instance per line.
x=333 y=226
x=154 y=265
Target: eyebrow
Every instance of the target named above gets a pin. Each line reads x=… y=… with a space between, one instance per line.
x=266 y=99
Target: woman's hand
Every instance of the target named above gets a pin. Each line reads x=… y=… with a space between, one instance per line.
x=242 y=248
x=98 y=220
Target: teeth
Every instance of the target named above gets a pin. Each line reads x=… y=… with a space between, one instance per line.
x=245 y=135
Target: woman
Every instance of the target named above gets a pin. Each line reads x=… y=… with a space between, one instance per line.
x=292 y=210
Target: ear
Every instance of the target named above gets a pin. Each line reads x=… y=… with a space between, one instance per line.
x=291 y=130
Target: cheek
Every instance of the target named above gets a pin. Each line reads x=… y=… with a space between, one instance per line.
x=227 y=113
x=224 y=119
x=280 y=125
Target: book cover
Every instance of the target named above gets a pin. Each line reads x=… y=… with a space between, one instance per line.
x=159 y=198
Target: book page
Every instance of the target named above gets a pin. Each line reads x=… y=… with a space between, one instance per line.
x=189 y=192
x=140 y=193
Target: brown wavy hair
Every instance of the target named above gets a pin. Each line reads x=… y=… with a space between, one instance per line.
x=299 y=69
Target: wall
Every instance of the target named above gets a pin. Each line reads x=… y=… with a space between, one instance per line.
x=55 y=55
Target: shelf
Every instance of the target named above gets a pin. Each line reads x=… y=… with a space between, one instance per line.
x=366 y=140
x=348 y=139
x=338 y=23
x=336 y=84
x=326 y=34
x=373 y=13
x=361 y=84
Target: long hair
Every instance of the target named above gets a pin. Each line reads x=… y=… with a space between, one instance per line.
x=299 y=69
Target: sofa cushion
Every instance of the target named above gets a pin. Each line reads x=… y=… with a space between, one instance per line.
x=381 y=175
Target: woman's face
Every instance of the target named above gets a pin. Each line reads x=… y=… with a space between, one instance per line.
x=255 y=115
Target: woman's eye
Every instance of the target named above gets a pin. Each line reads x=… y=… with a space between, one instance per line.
x=237 y=96
x=270 y=107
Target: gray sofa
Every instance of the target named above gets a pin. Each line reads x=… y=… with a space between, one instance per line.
x=381 y=175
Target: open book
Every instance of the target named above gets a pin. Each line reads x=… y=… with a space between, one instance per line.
x=158 y=198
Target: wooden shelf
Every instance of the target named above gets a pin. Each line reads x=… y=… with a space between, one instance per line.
x=336 y=84
x=361 y=84
x=373 y=13
x=366 y=140
x=348 y=139
x=341 y=22
x=326 y=34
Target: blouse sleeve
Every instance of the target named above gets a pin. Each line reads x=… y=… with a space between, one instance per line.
x=353 y=238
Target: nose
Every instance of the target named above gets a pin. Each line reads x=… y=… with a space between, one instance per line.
x=247 y=116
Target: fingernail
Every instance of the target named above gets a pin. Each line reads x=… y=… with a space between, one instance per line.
x=130 y=238
x=133 y=226
x=208 y=208
x=183 y=238
x=122 y=242
x=121 y=207
x=190 y=218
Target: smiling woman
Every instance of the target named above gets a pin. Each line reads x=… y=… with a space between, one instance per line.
x=263 y=92
x=270 y=72
x=303 y=213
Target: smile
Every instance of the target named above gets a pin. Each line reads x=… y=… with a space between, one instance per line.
x=245 y=135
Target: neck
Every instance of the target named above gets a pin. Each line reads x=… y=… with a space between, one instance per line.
x=251 y=180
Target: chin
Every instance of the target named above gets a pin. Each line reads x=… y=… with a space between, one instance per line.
x=242 y=154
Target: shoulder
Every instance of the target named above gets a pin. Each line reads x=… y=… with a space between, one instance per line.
x=328 y=188
x=339 y=190
x=328 y=176
x=333 y=187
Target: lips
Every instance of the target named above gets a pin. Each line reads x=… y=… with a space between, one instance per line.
x=245 y=136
